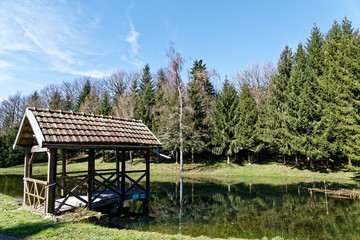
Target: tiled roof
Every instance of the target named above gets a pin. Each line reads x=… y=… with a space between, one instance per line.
x=68 y=128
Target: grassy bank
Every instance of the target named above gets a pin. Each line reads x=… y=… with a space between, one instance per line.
x=20 y=223
x=270 y=173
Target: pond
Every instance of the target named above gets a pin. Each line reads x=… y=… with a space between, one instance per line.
x=244 y=210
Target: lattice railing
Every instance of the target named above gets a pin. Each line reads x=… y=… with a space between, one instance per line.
x=35 y=195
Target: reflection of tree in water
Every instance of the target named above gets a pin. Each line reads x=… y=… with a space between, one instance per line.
x=212 y=210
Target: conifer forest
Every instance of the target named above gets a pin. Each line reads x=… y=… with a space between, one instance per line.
x=303 y=110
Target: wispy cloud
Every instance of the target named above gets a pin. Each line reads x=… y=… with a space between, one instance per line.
x=49 y=30
x=132 y=38
x=4 y=64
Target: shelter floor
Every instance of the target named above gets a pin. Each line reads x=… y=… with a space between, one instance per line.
x=105 y=198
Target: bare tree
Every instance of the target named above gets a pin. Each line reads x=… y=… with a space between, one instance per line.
x=11 y=111
x=125 y=104
x=257 y=77
x=91 y=103
x=175 y=88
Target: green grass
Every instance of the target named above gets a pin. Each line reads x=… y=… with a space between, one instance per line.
x=20 y=223
x=270 y=173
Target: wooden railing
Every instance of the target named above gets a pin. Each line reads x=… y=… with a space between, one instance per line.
x=35 y=195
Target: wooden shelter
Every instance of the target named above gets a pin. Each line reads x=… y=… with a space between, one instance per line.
x=44 y=130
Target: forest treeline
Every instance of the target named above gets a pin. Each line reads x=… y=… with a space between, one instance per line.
x=306 y=110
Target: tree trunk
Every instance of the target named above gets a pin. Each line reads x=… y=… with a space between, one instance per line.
x=103 y=156
x=228 y=159
x=257 y=157
x=176 y=157
x=310 y=163
x=131 y=157
x=327 y=164
x=296 y=161
x=181 y=130
x=284 y=159
x=349 y=162
x=249 y=158
x=192 y=156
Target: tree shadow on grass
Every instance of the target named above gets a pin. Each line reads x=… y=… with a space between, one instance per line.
x=25 y=230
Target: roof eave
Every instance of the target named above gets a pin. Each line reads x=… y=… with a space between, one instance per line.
x=35 y=127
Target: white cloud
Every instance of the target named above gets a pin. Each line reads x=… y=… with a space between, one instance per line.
x=4 y=64
x=51 y=31
x=132 y=38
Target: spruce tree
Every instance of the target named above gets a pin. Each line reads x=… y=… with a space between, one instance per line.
x=341 y=92
x=105 y=106
x=146 y=103
x=245 y=131
x=225 y=120
x=147 y=98
x=274 y=127
x=302 y=109
x=145 y=78
x=85 y=92
x=159 y=97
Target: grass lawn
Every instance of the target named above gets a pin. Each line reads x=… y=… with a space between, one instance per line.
x=269 y=173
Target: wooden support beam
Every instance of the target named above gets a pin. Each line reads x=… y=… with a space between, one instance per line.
x=51 y=179
x=63 y=168
x=123 y=174
x=26 y=171
x=147 y=184
x=117 y=168
x=91 y=170
x=31 y=161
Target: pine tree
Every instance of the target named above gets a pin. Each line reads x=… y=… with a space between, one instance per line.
x=146 y=103
x=159 y=97
x=105 y=106
x=341 y=92
x=245 y=131
x=225 y=120
x=145 y=78
x=301 y=109
x=147 y=98
x=274 y=129
x=85 y=92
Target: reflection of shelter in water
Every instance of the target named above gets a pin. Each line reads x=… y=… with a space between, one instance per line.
x=44 y=130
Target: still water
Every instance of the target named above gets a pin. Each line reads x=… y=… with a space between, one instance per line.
x=244 y=210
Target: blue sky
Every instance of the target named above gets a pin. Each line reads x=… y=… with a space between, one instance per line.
x=45 y=42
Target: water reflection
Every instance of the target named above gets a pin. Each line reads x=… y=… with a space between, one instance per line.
x=11 y=185
x=243 y=210
x=251 y=211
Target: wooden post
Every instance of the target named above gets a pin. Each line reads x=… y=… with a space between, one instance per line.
x=26 y=170
x=91 y=169
x=63 y=168
x=51 y=179
x=147 y=184
x=117 y=168
x=123 y=170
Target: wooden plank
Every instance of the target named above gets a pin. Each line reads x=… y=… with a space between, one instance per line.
x=51 y=178
x=91 y=168
x=35 y=181
x=37 y=148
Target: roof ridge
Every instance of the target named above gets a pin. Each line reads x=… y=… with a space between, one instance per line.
x=80 y=114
